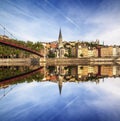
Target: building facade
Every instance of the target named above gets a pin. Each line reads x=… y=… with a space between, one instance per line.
x=107 y=51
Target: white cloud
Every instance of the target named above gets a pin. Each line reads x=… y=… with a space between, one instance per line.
x=78 y=22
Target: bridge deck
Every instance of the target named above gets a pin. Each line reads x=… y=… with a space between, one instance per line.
x=19 y=47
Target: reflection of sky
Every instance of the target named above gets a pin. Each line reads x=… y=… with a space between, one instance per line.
x=78 y=102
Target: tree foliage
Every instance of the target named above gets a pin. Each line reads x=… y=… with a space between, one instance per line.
x=10 y=52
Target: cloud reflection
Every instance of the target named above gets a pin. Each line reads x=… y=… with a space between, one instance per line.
x=41 y=101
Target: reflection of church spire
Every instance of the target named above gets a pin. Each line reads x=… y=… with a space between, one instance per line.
x=60 y=84
x=60 y=89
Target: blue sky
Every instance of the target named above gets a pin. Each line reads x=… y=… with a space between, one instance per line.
x=40 y=20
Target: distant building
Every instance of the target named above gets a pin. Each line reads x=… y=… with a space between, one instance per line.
x=4 y=37
x=80 y=49
x=53 y=45
x=73 y=52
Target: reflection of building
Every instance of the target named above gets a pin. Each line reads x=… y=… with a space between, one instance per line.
x=83 y=73
x=61 y=70
x=74 y=70
x=61 y=74
x=117 y=71
x=107 y=71
x=86 y=71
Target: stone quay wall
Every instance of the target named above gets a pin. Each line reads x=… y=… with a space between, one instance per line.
x=15 y=62
x=83 y=61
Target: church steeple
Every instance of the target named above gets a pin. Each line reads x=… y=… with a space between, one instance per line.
x=60 y=38
x=60 y=34
x=61 y=49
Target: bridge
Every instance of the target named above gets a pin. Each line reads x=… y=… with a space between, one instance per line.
x=17 y=46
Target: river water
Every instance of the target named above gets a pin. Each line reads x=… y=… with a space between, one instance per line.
x=60 y=93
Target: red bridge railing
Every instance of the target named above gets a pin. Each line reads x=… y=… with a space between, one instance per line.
x=3 y=41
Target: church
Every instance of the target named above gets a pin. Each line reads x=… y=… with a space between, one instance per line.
x=61 y=49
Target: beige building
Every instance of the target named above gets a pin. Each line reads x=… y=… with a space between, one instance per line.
x=74 y=52
x=116 y=50
x=85 y=51
x=82 y=51
x=107 y=51
x=95 y=52
x=73 y=43
x=4 y=37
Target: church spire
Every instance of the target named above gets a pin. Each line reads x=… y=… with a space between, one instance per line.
x=60 y=38
x=60 y=35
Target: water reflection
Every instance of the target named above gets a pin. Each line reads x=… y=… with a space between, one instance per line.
x=57 y=74
x=60 y=93
x=11 y=71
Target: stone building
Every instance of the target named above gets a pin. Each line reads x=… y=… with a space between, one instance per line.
x=116 y=50
x=86 y=51
x=107 y=51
